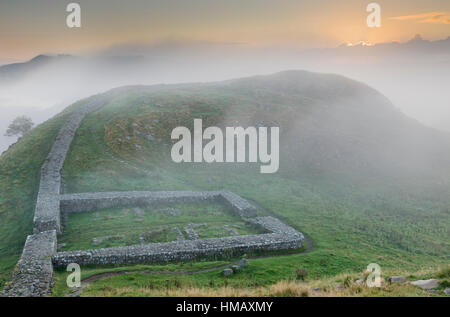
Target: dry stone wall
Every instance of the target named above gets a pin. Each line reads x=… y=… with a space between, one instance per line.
x=94 y=201
x=73 y=203
x=46 y=214
x=33 y=275
x=279 y=237
x=239 y=204
x=180 y=250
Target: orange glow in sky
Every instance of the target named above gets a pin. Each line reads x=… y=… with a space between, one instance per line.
x=28 y=27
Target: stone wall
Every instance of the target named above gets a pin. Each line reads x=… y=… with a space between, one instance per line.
x=280 y=237
x=239 y=204
x=33 y=275
x=46 y=214
x=94 y=201
x=180 y=250
x=274 y=225
x=73 y=203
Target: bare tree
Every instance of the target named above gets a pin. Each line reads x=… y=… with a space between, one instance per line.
x=19 y=126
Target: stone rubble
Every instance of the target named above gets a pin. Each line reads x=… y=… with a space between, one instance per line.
x=397 y=279
x=426 y=284
x=231 y=230
x=180 y=236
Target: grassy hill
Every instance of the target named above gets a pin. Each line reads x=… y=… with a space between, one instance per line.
x=362 y=181
x=20 y=169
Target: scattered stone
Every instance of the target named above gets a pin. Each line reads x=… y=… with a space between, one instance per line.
x=61 y=245
x=138 y=146
x=171 y=211
x=134 y=124
x=432 y=291
x=150 y=137
x=426 y=284
x=190 y=230
x=397 y=279
x=227 y=272
x=99 y=240
x=191 y=233
x=316 y=289
x=243 y=262
x=340 y=287
x=231 y=230
x=235 y=268
x=360 y=281
x=447 y=291
x=180 y=236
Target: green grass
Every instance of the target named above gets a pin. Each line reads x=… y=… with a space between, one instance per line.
x=121 y=227
x=20 y=170
x=60 y=287
x=352 y=223
x=353 y=217
x=264 y=272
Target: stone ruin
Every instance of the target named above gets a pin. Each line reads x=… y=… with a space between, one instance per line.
x=33 y=275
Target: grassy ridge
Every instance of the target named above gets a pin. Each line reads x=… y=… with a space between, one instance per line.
x=352 y=222
x=20 y=169
x=354 y=215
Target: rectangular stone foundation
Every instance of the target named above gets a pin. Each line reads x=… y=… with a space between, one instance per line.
x=281 y=237
x=73 y=203
x=180 y=250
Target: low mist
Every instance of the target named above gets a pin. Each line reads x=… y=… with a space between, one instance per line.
x=414 y=76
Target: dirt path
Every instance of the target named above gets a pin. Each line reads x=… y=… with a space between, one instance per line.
x=87 y=281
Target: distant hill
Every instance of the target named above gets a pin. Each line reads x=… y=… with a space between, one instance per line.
x=415 y=46
x=16 y=71
x=46 y=84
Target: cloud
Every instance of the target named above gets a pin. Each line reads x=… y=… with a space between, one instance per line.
x=429 y=17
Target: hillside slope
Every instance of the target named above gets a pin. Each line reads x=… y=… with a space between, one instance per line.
x=364 y=182
x=20 y=168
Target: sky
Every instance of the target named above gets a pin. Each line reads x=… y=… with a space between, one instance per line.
x=32 y=27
